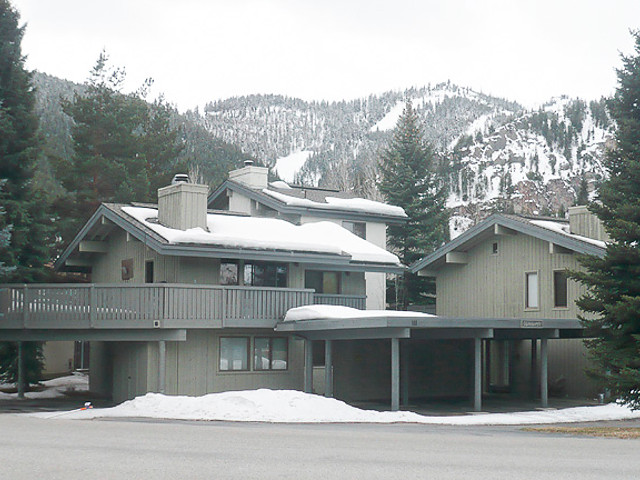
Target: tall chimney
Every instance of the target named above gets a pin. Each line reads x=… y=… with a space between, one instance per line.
x=584 y=223
x=251 y=176
x=183 y=206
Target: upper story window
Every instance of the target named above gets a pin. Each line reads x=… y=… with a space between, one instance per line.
x=532 y=299
x=494 y=248
x=228 y=273
x=357 y=228
x=263 y=274
x=560 y=296
x=322 y=282
x=148 y=271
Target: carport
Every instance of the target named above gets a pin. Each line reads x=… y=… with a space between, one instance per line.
x=341 y=324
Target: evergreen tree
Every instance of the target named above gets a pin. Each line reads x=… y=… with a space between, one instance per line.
x=33 y=362
x=24 y=226
x=124 y=147
x=5 y=237
x=613 y=298
x=19 y=149
x=408 y=180
x=583 y=192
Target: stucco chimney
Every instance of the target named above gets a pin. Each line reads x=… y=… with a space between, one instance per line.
x=183 y=206
x=251 y=176
x=584 y=223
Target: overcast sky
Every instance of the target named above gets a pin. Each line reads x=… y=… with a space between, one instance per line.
x=203 y=50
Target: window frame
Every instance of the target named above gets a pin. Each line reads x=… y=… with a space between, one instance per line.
x=238 y=272
x=247 y=354
x=250 y=267
x=565 y=272
x=527 y=274
x=321 y=277
x=149 y=271
x=354 y=226
x=270 y=341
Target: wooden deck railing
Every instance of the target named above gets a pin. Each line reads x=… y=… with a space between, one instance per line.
x=353 y=301
x=145 y=306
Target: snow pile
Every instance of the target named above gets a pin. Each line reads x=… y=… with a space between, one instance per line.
x=229 y=231
x=345 y=204
x=314 y=312
x=288 y=166
x=55 y=388
x=290 y=406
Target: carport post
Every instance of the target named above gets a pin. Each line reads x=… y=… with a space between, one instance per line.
x=328 y=370
x=21 y=381
x=534 y=368
x=544 y=385
x=404 y=377
x=162 y=365
x=395 y=374
x=308 y=366
x=477 y=374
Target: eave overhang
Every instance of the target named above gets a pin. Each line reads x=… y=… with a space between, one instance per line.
x=161 y=246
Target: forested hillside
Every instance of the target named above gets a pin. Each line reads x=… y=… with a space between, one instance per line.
x=492 y=154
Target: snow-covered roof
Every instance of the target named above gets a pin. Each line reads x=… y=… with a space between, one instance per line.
x=563 y=228
x=314 y=312
x=334 y=203
x=229 y=231
x=319 y=202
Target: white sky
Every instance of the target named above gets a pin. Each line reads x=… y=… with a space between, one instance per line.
x=203 y=50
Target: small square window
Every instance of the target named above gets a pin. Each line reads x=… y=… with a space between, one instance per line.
x=357 y=228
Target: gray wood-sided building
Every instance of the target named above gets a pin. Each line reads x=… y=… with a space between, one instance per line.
x=184 y=299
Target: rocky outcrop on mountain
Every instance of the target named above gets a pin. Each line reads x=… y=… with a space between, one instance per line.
x=493 y=154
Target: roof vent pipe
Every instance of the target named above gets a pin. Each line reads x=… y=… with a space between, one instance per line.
x=248 y=163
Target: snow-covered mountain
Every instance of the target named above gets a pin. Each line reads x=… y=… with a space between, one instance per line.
x=494 y=153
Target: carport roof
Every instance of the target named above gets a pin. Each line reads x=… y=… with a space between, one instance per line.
x=369 y=324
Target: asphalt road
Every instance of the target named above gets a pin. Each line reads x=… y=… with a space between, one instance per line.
x=34 y=448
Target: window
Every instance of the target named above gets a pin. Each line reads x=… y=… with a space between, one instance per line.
x=322 y=282
x=560 y=289
x=495 y=248
x=228 y=273
x=148 y=271
x=531 y=294
x=270 y=353
x=262 y=274
x=357 y=228
x=234 y=353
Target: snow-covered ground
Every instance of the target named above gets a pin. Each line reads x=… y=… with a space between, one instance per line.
x=290 y=406
x=55 y=388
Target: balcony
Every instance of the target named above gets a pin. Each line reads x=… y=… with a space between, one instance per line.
x=169 y=306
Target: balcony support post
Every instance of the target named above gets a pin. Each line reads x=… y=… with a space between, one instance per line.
x=328 y=369
x=21 y=381
x=308 y=366
x=162 y=365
